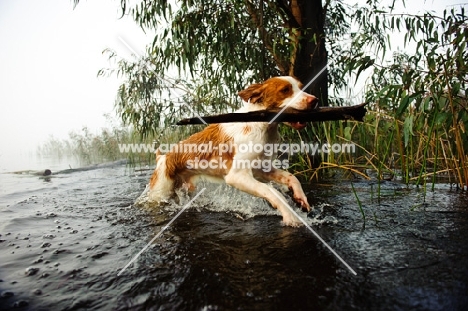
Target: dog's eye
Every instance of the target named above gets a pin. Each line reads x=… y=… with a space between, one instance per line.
x=285 y=89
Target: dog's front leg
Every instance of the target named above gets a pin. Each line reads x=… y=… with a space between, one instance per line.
x=244 y=181
x=288 y=179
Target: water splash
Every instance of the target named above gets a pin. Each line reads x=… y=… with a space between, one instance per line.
x=320 y=216
x=221 y=198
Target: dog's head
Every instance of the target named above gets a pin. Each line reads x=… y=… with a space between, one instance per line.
x=280 y=92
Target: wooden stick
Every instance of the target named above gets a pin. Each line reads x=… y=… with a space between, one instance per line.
x=355 y=112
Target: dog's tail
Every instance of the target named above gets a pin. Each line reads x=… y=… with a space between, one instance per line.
x=161 y=187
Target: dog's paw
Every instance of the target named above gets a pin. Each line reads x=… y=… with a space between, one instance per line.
x=302 y=201
x=306 y=207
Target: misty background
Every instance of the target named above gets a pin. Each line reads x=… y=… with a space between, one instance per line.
x=49 y=58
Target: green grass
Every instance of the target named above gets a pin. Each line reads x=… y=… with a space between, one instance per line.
x=426 y=149
x=89 y=148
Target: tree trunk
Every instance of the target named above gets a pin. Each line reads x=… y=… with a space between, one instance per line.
x=311 y=54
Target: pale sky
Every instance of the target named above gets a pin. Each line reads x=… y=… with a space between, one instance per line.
x=49 y=58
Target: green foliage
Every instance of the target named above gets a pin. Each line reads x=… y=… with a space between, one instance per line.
x=427 y=91
x=205 y=51
x=214 y=49
x=150 y=101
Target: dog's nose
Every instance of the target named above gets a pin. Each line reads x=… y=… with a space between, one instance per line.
x=311 y=98
x=312 y=101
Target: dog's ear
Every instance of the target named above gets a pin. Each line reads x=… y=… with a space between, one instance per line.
x=254 y=93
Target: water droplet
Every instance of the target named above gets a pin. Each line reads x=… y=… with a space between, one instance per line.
x=37 y=291
x=31 y=271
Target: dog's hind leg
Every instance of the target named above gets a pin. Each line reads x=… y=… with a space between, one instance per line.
x=161 y=187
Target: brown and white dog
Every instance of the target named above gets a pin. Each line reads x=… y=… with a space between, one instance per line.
x=173 y=172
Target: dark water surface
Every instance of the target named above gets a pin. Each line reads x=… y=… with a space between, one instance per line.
x=65 y=239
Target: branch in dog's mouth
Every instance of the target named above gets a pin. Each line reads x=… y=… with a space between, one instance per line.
x=295 y=117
